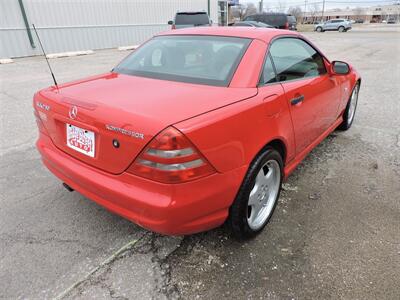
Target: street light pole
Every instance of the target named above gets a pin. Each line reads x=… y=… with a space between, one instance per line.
x=305 y=10
x=261 y=6
x=323 y=10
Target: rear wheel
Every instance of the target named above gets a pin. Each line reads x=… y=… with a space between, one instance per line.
x=319 y=29
x=258 y=195
x=348 y=116
x=341 y=29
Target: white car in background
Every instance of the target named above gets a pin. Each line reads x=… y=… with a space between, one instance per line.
x=340 y=25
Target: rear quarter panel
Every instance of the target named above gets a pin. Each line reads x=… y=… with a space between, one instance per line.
x=231 y=137
x=347 y=84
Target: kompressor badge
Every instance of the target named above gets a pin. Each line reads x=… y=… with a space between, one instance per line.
x=131 y=133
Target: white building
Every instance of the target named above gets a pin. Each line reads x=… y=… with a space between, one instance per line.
x=374 y=13
x=71 y=25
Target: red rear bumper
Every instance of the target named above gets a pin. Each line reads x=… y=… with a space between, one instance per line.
x=172 y=209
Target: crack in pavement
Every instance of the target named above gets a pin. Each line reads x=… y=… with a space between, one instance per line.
x=152 y=247
x=103 y=264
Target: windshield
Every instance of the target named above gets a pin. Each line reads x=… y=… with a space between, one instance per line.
x=191 y=19
x=208 y=60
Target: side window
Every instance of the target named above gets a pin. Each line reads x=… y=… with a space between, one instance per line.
x=268 y=74
x=250 y=18
x=295 y=59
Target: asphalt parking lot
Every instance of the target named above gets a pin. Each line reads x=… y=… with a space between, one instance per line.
x=335 y=234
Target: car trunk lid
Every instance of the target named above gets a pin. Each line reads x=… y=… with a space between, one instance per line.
x=124 y=113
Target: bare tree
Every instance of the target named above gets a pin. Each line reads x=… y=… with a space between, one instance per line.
x=240 y=11
x=281 y=6
x=359 y=12
x=251 y=9
x=314 y=9
x=295 y=11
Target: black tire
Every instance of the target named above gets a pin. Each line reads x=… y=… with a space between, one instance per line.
x=319 y=29
x=342 y=29
x=237 y=220
x=347 y=122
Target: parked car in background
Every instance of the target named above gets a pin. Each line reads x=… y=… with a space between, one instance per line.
x=292 y=22
x=252 y=24
x=277 y=20
x=197 y=127
x=340 y=25
x=190 y=19
x=391 y=21
x=359 y=21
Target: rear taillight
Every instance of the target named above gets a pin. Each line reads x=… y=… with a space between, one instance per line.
x=171 y=158
x=40 y=117
x=286 y=25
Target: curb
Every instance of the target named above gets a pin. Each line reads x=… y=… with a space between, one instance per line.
x=4 y=61
x=124 y=48
x=69 y=54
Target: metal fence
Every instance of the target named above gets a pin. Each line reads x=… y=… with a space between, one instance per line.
x=71 y=25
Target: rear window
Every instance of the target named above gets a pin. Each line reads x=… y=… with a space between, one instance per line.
x=250 y=18
x=210 y=60
x=270 y=19
x=191 y=19
x=291 y=19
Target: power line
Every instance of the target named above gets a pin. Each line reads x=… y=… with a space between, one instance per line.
x=330 y=3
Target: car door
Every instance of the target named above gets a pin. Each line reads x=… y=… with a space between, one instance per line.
x=312 y=95
x=275 y=105
x=335 y=24
x=329 y=25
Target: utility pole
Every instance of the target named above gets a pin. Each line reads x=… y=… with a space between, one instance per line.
x=323 y=10
x=305 y=10
x=261 y=6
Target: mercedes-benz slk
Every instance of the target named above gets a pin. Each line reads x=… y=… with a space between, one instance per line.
x=197 y=127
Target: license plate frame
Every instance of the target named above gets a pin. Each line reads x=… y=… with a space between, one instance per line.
x=81 y=140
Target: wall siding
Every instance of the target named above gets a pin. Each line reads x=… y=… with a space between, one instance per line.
x=71 y=25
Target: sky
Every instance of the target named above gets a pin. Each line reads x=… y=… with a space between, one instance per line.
x=275 y=4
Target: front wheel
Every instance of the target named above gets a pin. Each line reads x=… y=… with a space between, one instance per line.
x=350 y=111
x=319 y=29
x=341 y=29
x=257 y=196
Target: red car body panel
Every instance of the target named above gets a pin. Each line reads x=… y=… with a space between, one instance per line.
x=105 y=100
x=228 y=125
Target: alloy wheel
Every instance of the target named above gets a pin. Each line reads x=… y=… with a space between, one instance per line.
x=352 y=105
x=264 y=194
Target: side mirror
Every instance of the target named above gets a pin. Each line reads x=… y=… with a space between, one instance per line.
x=340 y=68
x=170 y=22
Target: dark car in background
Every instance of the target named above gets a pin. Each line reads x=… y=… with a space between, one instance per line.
x=277 y=20
x=190 y=19
x=252 y=24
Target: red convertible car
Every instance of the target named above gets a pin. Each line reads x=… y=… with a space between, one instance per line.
x=197 y=127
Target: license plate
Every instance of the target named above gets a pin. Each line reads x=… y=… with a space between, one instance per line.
x=81 y=140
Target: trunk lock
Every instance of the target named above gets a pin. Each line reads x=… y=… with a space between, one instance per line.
x=115 y=143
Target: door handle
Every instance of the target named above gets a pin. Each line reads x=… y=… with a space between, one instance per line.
x=297 y=100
